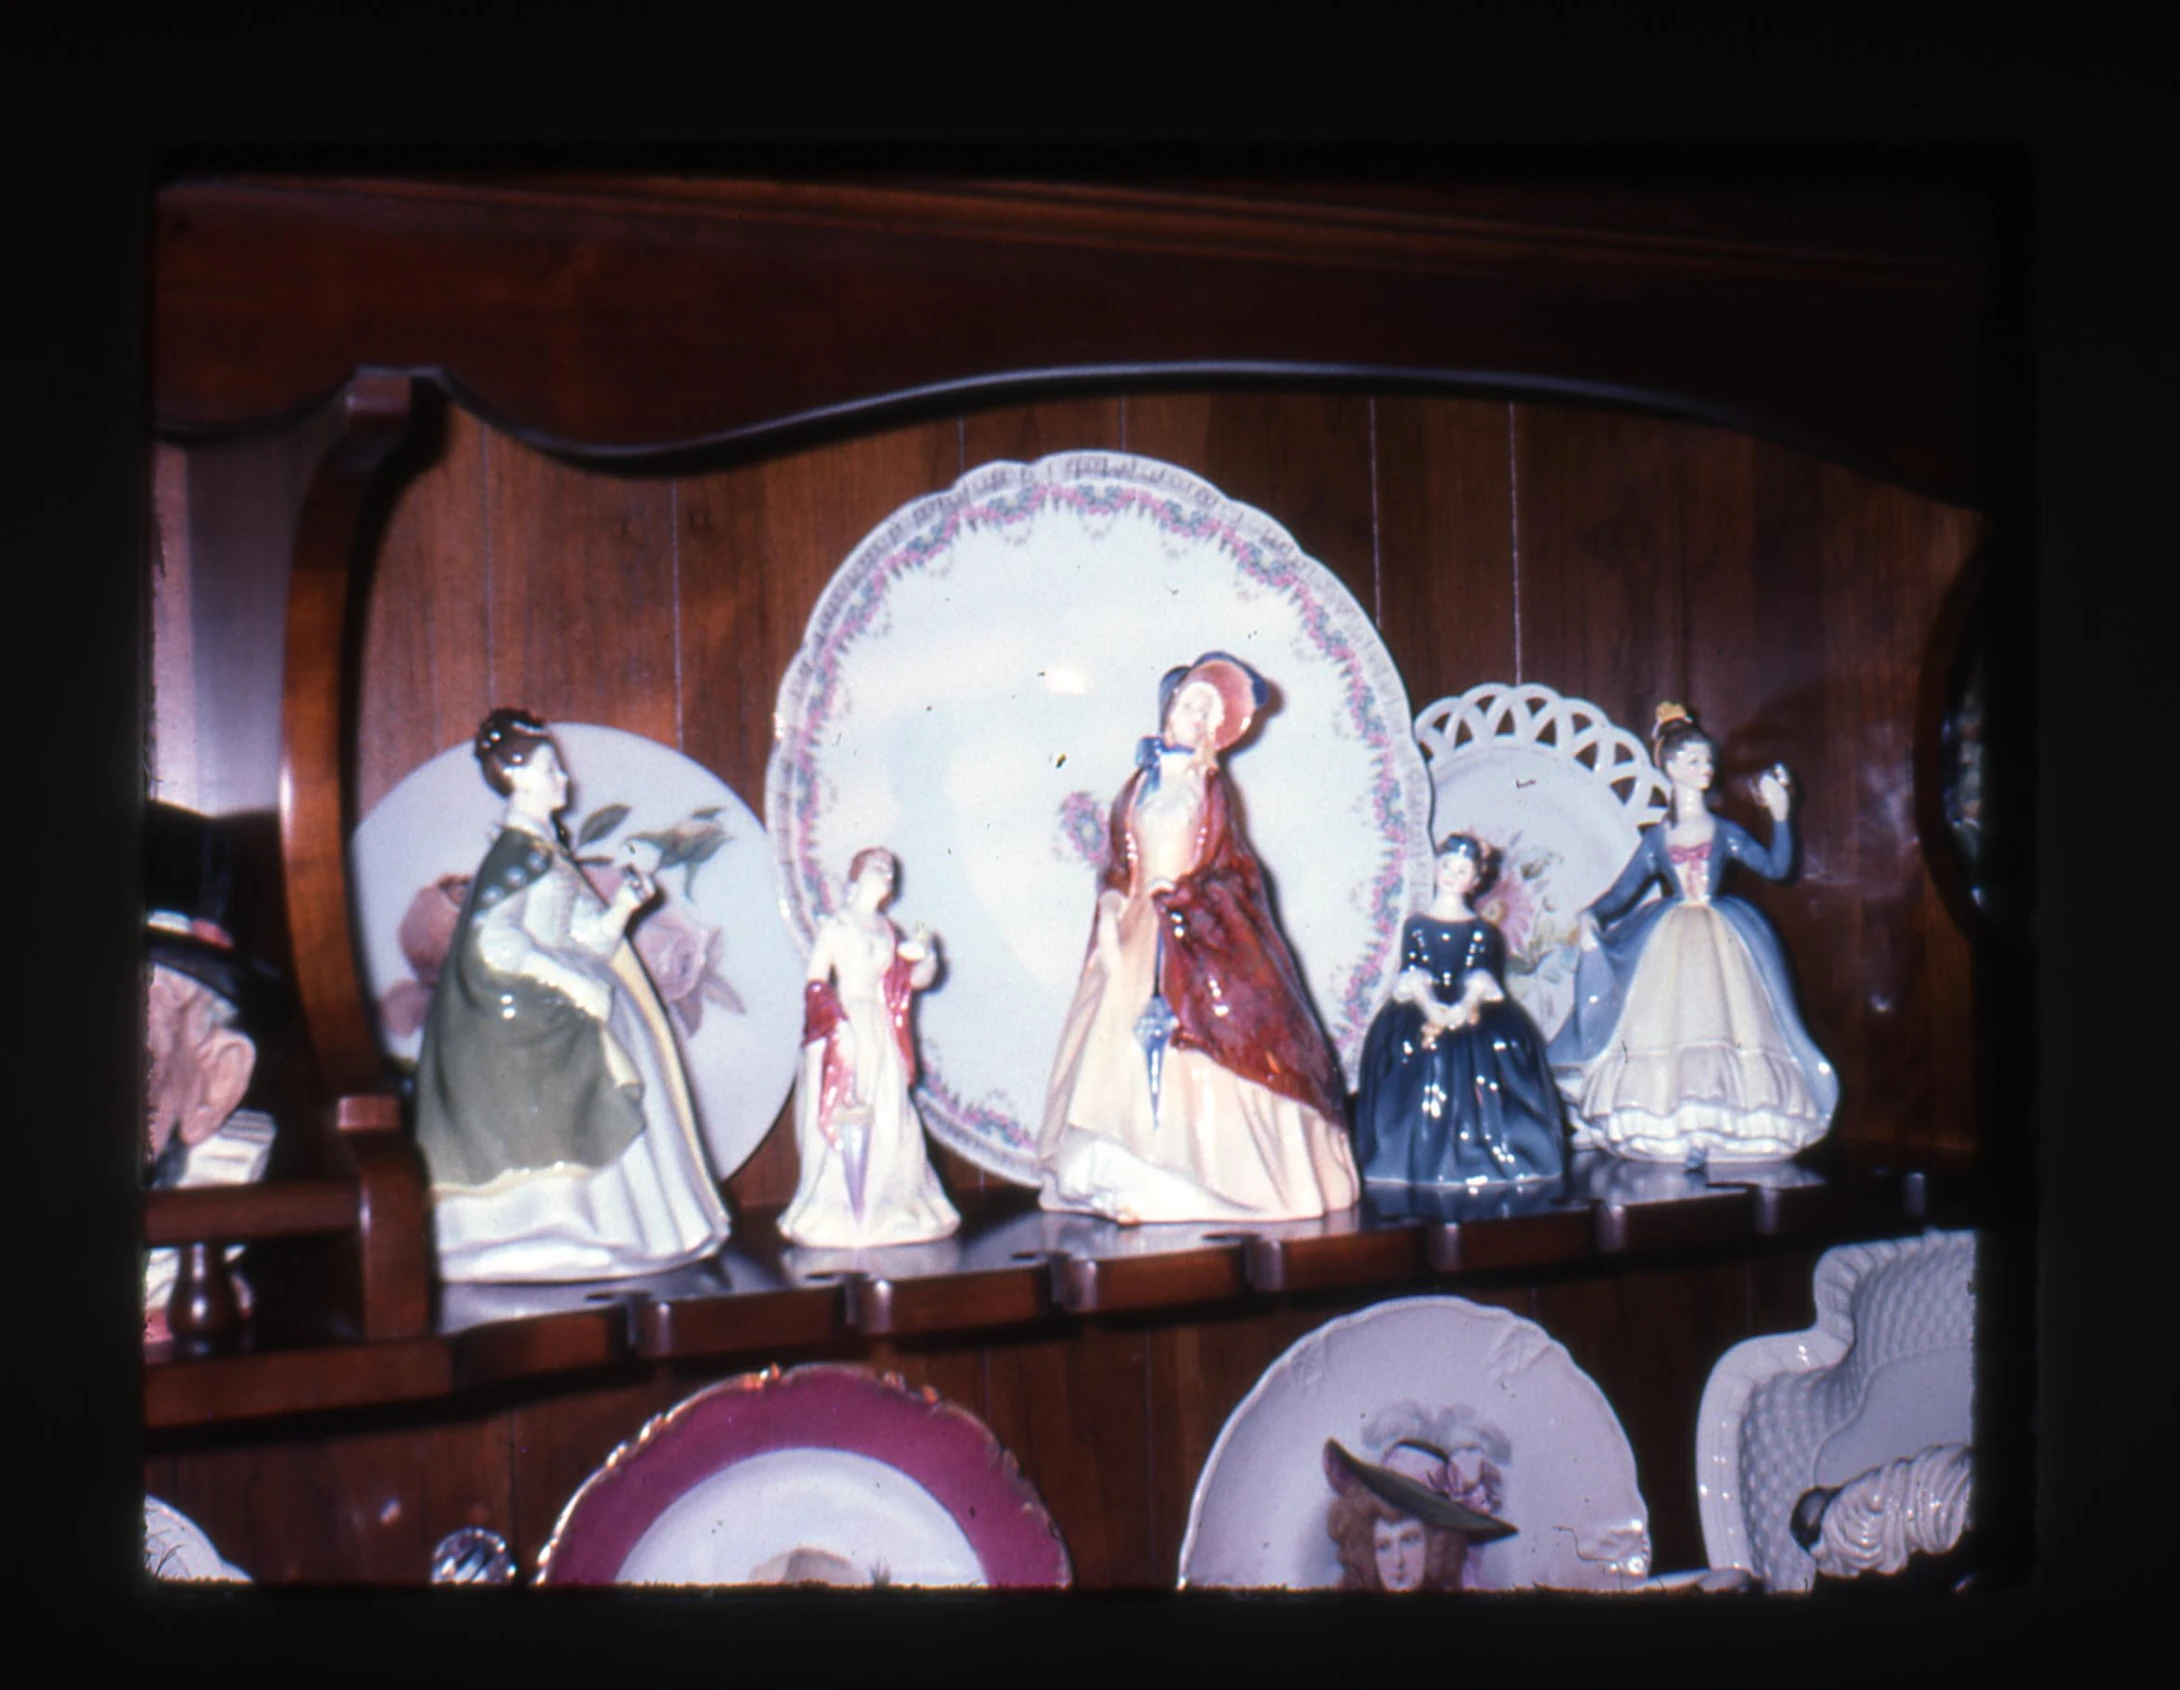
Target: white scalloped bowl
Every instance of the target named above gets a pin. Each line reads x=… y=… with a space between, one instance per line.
x=1886 y=1370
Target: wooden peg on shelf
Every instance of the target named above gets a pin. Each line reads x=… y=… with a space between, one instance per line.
x=203 y=1310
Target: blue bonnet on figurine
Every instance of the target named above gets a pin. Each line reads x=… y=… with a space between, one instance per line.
x=1455 y=1085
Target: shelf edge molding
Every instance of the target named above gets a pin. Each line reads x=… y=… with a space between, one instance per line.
x=376 y=407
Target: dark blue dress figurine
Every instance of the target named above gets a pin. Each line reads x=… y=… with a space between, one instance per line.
x=1456 y=1089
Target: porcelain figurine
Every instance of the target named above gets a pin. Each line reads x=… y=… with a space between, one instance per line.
x=865 y=1177
x=1684 y=1044
x=1406 y=1523
x=551 y=1106
x=1192 y=1083
x=207 y=1003
x=1456 y=1089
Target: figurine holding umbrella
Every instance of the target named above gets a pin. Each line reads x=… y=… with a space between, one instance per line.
x=1193 y=1081
x=865 y=1177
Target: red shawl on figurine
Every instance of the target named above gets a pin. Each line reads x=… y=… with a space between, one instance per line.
x=1227 y=973
x=822 y=1013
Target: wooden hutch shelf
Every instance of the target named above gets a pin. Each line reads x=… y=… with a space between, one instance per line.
x=595 y=445
x=1013 y=1266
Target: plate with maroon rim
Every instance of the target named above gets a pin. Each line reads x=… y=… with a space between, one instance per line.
x=824 y=1474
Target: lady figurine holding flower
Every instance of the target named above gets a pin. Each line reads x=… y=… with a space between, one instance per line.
x=551 y=1106
x=1684 y=1045
x=865 y=1177
x=1456 y=1089
x=1192 y=1081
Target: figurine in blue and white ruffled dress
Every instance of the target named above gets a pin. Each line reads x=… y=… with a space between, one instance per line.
x=1684 y=1044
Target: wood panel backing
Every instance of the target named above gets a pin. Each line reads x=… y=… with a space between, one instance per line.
x=758 y=546
x=427 y=638
x=1600 y=516
x=1649 y=1337
x=357 y=1504
x=1447 y=591
x=1616 y=557
x=1301 y=458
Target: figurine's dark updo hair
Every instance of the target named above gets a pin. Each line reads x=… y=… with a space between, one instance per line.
x=1483 y=856
x=505 y=740
x=1674 y=729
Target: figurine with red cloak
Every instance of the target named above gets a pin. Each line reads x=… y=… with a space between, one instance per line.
x=1193 y=1083
x=865 y=1178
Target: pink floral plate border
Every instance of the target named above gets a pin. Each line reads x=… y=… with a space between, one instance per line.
x=1099 y=487
x=938 y=1444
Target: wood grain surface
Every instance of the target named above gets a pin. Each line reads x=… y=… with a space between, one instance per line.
x=1613 y=556
x=626 y=312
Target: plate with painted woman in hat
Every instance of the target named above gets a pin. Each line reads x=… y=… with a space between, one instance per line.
x=1426 y=1443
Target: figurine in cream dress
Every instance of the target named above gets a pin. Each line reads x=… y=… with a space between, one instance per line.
x=865 y=1177
x=551 y=1105
x=1684 y=1045
x=1192 y=1083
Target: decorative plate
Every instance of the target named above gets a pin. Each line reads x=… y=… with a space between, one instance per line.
x=1561 y=793
x=825 y=1474
x=1887 y=1370
x=970 y=692
x=1533 y=1437
x=725 y=965
x=175 y=1547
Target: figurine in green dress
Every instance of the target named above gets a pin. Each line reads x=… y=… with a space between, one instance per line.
x=551 y=1105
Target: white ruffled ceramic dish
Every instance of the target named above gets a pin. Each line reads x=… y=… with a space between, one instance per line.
x=970 y=692
x=1457 y=1375
x=1561 y=793
x=176 y=1548
x=1887 y=1370
x=725 y=964
x=823 y=1474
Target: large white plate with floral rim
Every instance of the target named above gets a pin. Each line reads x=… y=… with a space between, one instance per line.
x=970 y=691
x=1527 y=1438
x=1561 y=793
x=724 y=963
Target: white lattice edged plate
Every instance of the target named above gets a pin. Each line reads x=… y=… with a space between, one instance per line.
x=1886 y=1371
x=1455 y=1374
x=970 y=691
x=1561 y=792
x=726 y=966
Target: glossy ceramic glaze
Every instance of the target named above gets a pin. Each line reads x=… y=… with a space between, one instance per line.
x=713 y=943
x=1886 y=1371
x=864 y=1177
x=971 y=688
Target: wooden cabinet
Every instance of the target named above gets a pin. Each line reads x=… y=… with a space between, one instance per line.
x=610 y=439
